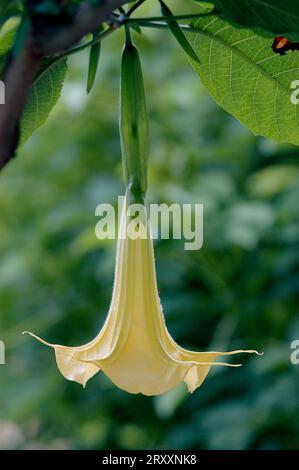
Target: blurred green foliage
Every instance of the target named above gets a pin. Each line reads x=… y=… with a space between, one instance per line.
x=239 y=291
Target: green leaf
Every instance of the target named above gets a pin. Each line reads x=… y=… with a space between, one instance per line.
x=94 y=57
x=45 y=91
x=8 y=9
x=43 y=96
x=277 y=16
x=247 y=78
x=136 y=28
x=177 y=32
x=7 y=38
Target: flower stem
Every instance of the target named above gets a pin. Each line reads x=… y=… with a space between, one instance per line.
x=170 y=18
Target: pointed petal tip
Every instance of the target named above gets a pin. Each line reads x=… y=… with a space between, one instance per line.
x=84 y=381
x=38 y=338
x=190 y=388
x=253 y=351
x=247 y=351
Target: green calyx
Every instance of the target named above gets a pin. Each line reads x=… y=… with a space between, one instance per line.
x=133 y=124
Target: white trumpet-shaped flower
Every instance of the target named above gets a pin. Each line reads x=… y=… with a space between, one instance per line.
x=134 y=348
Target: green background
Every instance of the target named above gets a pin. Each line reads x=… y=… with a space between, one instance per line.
x=239 y=291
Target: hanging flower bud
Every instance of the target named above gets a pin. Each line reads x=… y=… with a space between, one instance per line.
x=133 y=124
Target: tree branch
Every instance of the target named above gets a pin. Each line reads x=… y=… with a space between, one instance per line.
x=18 y=79
x=88 y=19
x=22 y=70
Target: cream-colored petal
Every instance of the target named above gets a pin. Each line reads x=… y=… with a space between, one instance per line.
x=75 y=363
x=72 y=368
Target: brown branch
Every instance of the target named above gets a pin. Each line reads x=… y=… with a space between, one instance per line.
x=22 y=70
x=18 y=79
x=87 y=20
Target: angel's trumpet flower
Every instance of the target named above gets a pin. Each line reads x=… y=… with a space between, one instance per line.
x=134 y=348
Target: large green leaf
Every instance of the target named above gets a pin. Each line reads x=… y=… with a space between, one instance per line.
x=247 y=78
x=277 y=16
x=43 y=97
